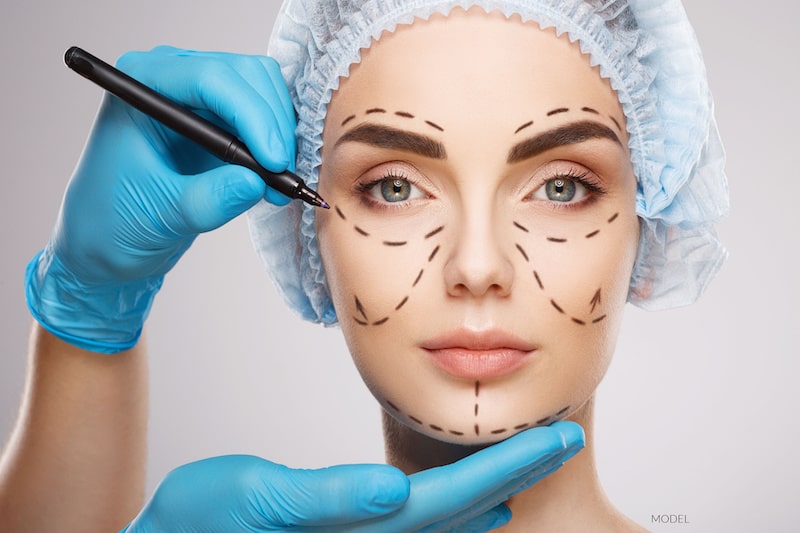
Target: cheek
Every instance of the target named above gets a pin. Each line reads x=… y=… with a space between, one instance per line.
x=375 y=271
x=581 y=269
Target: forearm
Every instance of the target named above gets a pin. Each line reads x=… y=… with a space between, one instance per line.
x=76 y=458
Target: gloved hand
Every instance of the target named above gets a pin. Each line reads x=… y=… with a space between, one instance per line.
x=233 y=494
x=141 y=193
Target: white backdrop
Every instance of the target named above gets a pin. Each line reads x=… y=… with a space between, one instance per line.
x=697 y=414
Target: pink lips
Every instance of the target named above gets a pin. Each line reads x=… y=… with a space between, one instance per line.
x=485 y=354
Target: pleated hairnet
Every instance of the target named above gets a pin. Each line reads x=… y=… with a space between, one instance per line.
x=648 y=51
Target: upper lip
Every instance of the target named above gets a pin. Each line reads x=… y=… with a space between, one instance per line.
x=490 y=339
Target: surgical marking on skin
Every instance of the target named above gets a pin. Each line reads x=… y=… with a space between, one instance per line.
x=596 y=299
x=522 y=251
x=557 y=111
x=476 y=409
x=434 y=232
x=590 y=110
x=434 y=126
x=401 y=304
x=615 y=122
x=401 y=113
x=476 y=426
x=477 y=388
x=526 y=125
x=538 y=279
x=360 y=309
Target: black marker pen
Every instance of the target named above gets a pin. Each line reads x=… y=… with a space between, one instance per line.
x=176 y=117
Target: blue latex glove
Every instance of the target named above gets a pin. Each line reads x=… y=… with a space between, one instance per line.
x=141 y=193
x=247 y=494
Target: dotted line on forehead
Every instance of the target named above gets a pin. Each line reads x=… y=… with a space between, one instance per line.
x=402 y=114
x=560 y=110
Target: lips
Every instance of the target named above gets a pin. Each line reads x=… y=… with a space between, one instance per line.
x=478 y=355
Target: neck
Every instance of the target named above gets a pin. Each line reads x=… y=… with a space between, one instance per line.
x=570 y=499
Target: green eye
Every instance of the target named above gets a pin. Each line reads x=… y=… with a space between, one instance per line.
x=395 y=190
x=560 y=190
x=564 y=190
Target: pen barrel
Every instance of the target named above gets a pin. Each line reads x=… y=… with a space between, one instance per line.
x=173 y=115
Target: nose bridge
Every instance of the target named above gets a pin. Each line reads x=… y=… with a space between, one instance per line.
x=479 y=262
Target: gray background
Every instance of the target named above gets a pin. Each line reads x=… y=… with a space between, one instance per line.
x=697 y=414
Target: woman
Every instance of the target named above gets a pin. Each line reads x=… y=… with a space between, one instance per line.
x=496 y=200
x=477 y=243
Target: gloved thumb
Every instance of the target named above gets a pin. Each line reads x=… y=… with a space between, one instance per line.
x=341 y=494
x=216 y=196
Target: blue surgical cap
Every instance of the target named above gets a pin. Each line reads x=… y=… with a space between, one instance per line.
x=645 y=48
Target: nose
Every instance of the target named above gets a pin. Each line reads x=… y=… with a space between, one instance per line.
x=479 y=265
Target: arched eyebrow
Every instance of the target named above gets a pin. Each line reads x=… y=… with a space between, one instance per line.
x=574 y=133
x=395 y=139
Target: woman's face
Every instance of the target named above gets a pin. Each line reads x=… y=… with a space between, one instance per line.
x=482 y=230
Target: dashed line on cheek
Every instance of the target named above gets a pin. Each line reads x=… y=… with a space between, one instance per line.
x=361 y=318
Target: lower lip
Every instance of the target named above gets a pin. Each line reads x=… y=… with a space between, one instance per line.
x=479 y=364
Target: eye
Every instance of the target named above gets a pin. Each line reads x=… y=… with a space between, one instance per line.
x=393 y=189
x=562 y=190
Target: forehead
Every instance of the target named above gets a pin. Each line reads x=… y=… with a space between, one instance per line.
x=471 y=64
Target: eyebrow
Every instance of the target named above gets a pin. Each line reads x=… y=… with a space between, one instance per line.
x=395 y=139
x=574 y=133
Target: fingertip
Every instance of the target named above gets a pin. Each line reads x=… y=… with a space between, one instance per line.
x=574 y=436
x=387 y=489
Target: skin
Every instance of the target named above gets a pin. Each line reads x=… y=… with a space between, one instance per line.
x=479 y=245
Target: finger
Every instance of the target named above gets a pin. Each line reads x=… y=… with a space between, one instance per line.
x=494 y=518
x=330 y=496
x=450 y=494
x=211 y=199
x=574 y=438
x=208 y=83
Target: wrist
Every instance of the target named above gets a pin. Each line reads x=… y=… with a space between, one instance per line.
x=100 y=317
